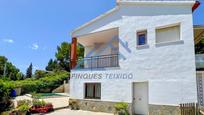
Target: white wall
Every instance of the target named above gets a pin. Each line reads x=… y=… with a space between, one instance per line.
x=169 y=68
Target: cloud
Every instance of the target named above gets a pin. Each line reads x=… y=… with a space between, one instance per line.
x=35 y=46
x=8 y=40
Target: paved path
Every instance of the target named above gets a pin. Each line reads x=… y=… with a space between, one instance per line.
x=58 y=102
x=76 y=112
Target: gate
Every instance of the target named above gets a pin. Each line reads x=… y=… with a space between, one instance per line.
x=189 y=109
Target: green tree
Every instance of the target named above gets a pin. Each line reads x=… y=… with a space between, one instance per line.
x=80 y=51
x=62 y=61
x=199 y=48
x=63 y=55
x=29 y=71
x=8 y=69
x=20 y=76
x=53 y=65
x=40 y=74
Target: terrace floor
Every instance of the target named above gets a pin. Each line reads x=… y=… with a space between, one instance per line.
x=76 y=112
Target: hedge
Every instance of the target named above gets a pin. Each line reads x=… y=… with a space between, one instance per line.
x=50 y=80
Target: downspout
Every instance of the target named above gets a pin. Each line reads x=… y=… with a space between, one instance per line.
x=73 y=53
x=195 y=6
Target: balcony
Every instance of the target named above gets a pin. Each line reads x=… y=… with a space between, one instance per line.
x=102 y=61
x=200 y=61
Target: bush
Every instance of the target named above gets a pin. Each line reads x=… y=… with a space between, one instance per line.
x=121 y=108
x=24 y=108
x=5 y=89
x=41 y=107
x=50 y=80
x=74 y=104
x=24 y=102
x=40 y=74
x=37 y=102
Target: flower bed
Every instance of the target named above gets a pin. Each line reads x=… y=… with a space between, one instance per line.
x=42 y=109
x=36 y=106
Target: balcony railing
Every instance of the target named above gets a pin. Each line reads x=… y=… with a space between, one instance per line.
x=102 y=61
x=200 y=61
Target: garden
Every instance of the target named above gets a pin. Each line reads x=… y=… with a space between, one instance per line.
x=9 y=89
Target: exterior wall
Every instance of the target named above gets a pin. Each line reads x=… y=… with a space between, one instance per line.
x=169 y=68
x=100 y=49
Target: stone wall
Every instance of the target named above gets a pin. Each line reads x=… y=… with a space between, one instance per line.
x=108 y=107
x=164 y=110
x=98 y=106
x=62 y=89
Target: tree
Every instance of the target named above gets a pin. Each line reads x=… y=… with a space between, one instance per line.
x=40 y=74
x=20 y=76
x=53 y=65
x=62 y=61
x=29 y=71
x=63 y=55
x=7 y=69
x=199 y=48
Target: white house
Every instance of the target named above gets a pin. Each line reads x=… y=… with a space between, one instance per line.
x=141 y=52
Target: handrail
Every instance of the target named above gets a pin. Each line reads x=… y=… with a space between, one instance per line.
x=100 y=61
x=110 y=55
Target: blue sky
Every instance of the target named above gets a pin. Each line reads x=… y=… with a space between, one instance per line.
x=30 y=30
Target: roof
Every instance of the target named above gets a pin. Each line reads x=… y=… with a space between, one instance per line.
x=96 y=19
x=120 y=2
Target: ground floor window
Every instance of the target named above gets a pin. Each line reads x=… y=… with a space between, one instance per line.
x=93 y=90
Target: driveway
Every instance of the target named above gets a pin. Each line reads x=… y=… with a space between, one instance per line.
x=76 y=112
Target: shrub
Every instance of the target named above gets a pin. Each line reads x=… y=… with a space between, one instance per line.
x=50 y=81
x=40 y=106
x=121 y=108
x=37 y=102
x=24 y=102
x=74 y=104
x=5 y=89
x=23 y=108
x=40 y=74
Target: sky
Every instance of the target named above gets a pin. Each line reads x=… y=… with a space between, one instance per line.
x=30 y=30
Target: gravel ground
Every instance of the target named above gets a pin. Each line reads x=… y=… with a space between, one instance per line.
x=76 y=112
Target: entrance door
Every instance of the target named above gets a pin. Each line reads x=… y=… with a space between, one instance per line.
x=140 y=98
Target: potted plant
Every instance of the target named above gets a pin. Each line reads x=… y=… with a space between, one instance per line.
x=121 y=108
x=18 y=89
x=40 y=106
x=74 y=104
x=23 y=109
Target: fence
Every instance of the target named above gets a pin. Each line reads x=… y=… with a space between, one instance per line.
x=190 y=109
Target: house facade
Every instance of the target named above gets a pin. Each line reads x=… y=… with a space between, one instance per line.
x=141 y=52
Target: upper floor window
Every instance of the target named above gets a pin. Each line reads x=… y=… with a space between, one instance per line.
x=141 y=38
x=168 y=34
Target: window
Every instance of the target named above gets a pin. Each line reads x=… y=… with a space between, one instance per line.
x=168 y=34
x=141 y=38
x=93 y=91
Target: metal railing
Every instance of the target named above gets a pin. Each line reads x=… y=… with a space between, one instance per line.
x=102 y=61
